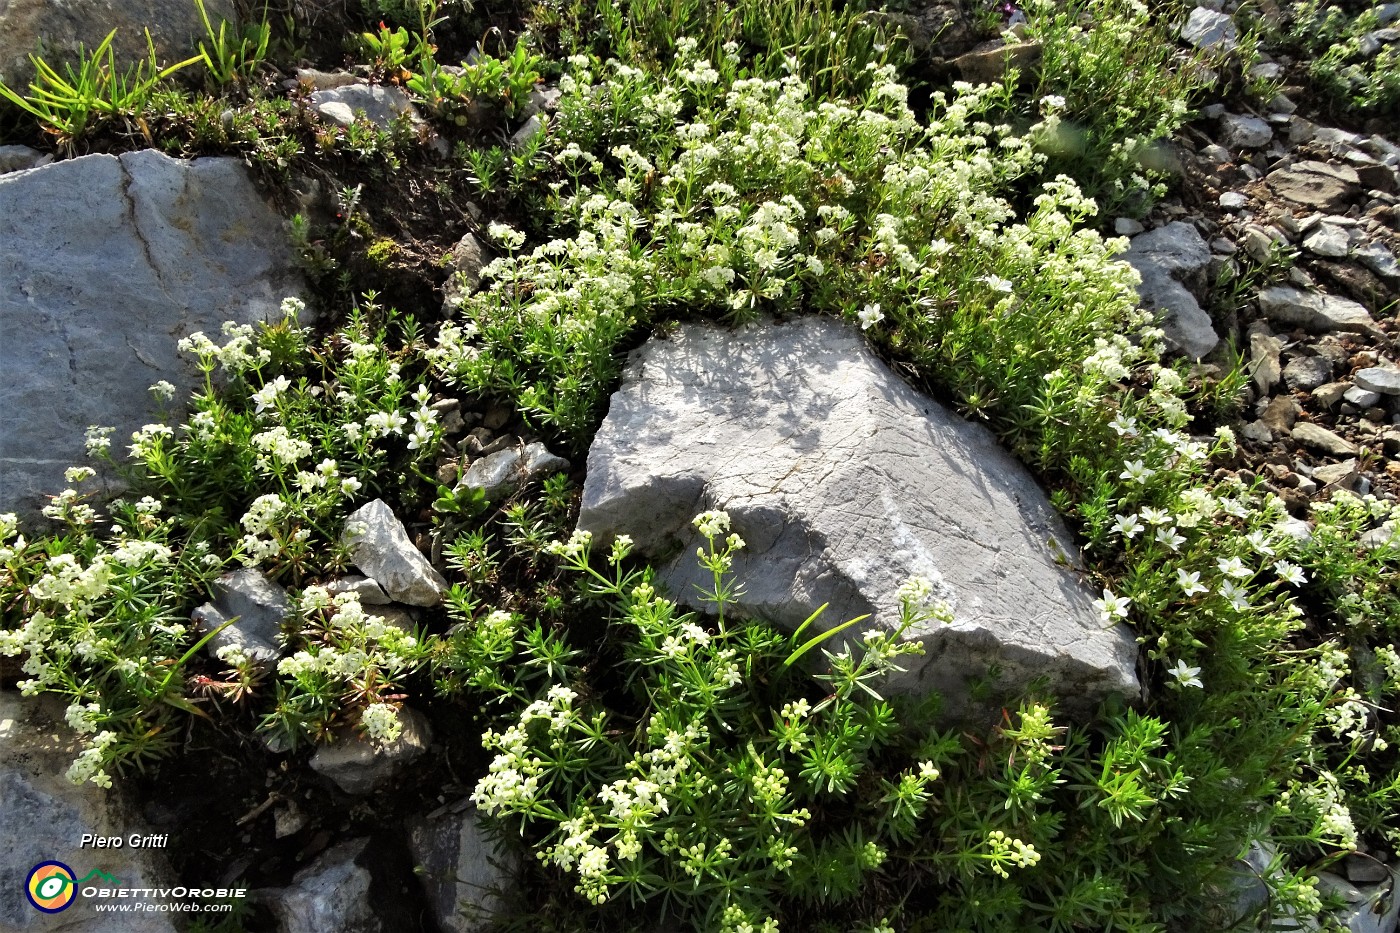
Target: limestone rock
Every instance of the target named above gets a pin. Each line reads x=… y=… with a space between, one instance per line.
x=61 y=27
x=1172 y=262
x=503 y=472
x=369 y=592
x=469 y=257
x=987 y=65
x=1210 y=29
x=357 y=766
x=1379 y=260
x=1382 y=379
x=1327 y=240
x=380 y=547
x=257 y=606
x=1243 y=131
x=1319 y=438
x=1305 y=373
x=44 y=817
x=332 y=893
x=377 y=103
x=21 y=158
x=1316 y=185
x=463 y=872
x=537 y=124
x=846 y=483
x=107 y=262
x=1319 y=313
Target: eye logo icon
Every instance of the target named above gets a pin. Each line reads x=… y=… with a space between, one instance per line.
x=51 y=887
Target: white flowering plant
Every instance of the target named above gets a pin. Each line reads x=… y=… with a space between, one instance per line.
x=698 y=786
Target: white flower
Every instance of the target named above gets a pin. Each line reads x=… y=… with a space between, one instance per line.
x=1170 y=538
x=1128 y=526
x=349 y=486
x=998 y=284
x=163 y=391
x=1186 y=676
x=712 y=524
x=1112 y=607
x=1137 y=472
x=869 y=315
x=1290 y=573
x=1124 y=425
x=267 y=395
x=1190 y=583
x=1155 y=516
x=1233 y=567
x=1235 y=594
x=1053 y=102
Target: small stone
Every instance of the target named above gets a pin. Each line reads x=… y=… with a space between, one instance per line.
x=1382 y=379
x=1319 y=438
x=987 y=63
x=1214 y=154
x=1126 y=226
x=1280 y=414
x=1342 y=475
x=288 y=820
x=1317 y=312
x=497 y=416
x=1329 y=395
x=1241 y=131
x=21 y=158
x=1361 y=398
x=467 y=260
x=358 y=766
x=1320 y=190
x=1266 y=71
x=533 y=127
x=1379 y=260
x=379 y=545
x=1328 y=240
x=332 y=893
x=1258 y=432
x=1234 y=200
x=379 y=104
x=503 y=472
x=325 y=80
x=253 y=608
x=1208 y=29
x=1387 y=535
x=1305 y=373
x=1258 y=244
x=1264 y=351
x=370 y=593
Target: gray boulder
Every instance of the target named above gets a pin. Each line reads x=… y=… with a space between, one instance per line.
x=257 y=606
x=462 y=871
x=380 y=547
x=107 y=262
x=44 y=818
x=357 y=766
x=332 y=893
x=499 y=474
x=1172 y=262
x=845 y=483
x=61 y=27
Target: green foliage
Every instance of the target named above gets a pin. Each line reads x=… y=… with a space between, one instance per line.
x=1112 y=87
x=68 y=106
x=488 y=82
x=230 y=61
x=1357 y=73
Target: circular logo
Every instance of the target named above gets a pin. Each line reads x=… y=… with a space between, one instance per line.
x=50 y=887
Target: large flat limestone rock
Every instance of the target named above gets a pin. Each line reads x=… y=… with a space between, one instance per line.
x=845 y=482
x=107 y=262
